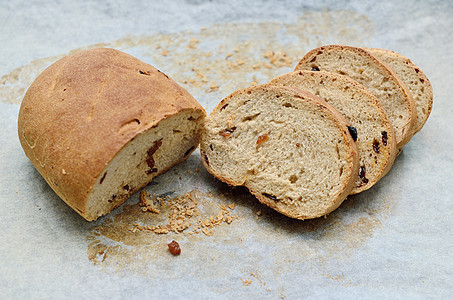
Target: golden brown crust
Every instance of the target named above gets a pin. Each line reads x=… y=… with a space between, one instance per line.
x=84 y=108
x=408 y=129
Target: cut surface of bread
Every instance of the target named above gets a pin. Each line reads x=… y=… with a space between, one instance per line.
x=375 y=135
x=375 y=75
x=291 y=149
x=143 y=158
x=100 y=124
x=415 y=80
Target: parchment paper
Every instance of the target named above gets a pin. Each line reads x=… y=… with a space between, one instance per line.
x=393 y=241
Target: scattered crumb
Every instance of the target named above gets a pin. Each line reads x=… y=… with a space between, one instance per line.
x=182 y=212
x=146 y=203
x=246 y=282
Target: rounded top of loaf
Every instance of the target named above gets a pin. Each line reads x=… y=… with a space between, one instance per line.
x=85 y=107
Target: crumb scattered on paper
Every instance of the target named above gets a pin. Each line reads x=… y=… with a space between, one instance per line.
x=183 y=213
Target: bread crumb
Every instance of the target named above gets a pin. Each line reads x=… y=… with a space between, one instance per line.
x=207 y=232
x=246 y=282
x=146 y=203
x=232 y=206
x=181 y=211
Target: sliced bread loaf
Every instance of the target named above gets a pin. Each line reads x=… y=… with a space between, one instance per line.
x=100 y=124
x=375 y=134
x=291 y=149
x=415 y=80
x=376 y=76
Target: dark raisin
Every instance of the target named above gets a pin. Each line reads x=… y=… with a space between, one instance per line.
x=150 y=162
x=362 y=174
x=206 y=159
x=384 y=137
x=272 y=197
x=151 y=151
x=151 y=171
x=223 y=107
x=174 y=248
x=315 y=69
x=127 y=187
x=353 y=133
x=376 y=146
x=112 y=198
x=154 y=147
x=102 y=178
x=188 y=151
x=210 y=147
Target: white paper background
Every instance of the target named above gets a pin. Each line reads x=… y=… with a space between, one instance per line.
x=393 y=241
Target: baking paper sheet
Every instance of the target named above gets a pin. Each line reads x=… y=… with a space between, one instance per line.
x=392 y=241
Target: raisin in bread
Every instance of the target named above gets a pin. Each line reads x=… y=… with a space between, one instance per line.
x=376 y=76
x=375 y=135
x=415 y=80
x=291 y=149
x=100 y=124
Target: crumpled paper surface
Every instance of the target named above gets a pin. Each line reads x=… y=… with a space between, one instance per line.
x=393 y=241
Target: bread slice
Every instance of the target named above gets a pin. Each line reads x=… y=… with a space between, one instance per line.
x=100 y=124
x=375 y=134
x=291 y=149
x=415 y=80
x=375 y=75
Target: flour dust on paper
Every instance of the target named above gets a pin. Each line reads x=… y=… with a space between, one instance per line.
x=220 y=58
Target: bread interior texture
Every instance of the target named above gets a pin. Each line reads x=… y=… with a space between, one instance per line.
x=285 y=151
x=415 y=80
x=377 y=81
x=375 y=133
x=150 y=153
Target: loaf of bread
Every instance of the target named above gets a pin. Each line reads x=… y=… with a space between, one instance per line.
x=376 y=76
x=100 y=124
x=292 y=150
x=415 y=80
x=375 y=134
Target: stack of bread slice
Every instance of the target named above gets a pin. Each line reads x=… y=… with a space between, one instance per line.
x=304 y=142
